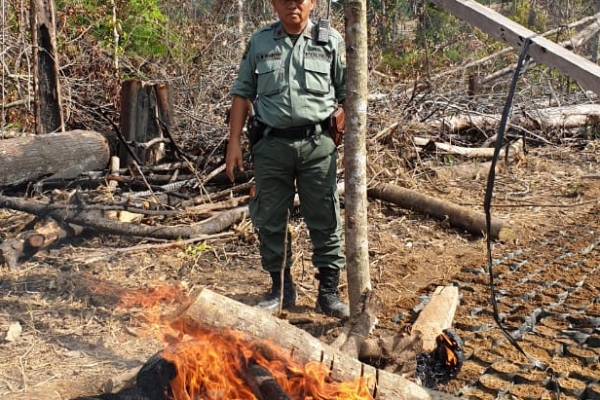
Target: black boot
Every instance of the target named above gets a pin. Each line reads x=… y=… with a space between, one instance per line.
x=271 y=300
x=329 y=295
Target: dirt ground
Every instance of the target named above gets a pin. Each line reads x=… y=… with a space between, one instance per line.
x=66 y=327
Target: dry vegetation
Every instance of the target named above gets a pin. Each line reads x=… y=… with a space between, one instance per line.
x=77 y=314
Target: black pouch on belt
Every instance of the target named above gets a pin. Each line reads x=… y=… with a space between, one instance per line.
x=255 y=130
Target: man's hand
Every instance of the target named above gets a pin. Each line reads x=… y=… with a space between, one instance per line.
x=233 y=158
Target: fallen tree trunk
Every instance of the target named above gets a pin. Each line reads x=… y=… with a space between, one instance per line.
x=567 y=117
x=459 y=217
x=212 y=310
x=63 y=155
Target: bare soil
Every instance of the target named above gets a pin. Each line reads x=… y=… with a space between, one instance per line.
x=83 y=305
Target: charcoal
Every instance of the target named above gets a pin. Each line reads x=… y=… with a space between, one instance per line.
x=443 y=363
x=152 y=383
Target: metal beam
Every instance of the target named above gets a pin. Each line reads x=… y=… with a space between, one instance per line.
x=542 y=50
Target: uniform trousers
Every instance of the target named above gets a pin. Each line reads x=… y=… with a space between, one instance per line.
x=307 y=166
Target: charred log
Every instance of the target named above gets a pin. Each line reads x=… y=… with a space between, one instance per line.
x=152 y=383
x=443 y=363
x=263 y=384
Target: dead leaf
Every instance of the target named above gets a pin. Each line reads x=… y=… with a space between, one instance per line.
x=14 y=331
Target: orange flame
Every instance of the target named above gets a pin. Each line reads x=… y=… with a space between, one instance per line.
x=216 y=365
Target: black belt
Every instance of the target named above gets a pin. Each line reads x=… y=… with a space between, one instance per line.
x=294 y=133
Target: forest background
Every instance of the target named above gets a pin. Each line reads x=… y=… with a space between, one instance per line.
x=196 y=46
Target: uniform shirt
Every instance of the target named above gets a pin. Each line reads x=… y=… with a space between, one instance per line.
x=296 y=84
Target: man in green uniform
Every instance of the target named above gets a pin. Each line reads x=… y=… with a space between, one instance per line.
x=294 y=81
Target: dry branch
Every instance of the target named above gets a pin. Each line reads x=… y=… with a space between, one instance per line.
x=212 y=310
x=94 y=219
x=475 y=152
x=44 y=234
x=460 y=217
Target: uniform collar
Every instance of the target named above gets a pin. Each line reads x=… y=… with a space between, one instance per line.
x=308 y=30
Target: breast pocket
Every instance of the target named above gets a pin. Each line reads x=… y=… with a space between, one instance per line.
x=269 y=77
x=317 y=76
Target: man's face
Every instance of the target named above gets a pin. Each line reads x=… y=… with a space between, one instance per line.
x=293 y=14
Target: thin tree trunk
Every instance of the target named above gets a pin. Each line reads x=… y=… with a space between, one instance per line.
x=47 y=104
x=240 y=18
x=93 y=219
x=357 y=248
x=596 y=38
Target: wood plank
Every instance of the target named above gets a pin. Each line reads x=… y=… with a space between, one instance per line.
x=542 y=50
x=437 y=315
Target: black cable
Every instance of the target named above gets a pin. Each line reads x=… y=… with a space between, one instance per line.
x=487 y=208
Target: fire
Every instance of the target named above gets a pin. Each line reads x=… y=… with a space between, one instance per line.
x=453 y=349
x=149 y=298
x=226 y=366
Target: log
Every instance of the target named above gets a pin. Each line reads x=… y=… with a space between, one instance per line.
x=62 y=155
x=45 y=233
x=437 y=315
x=567 y=117
x=211 y=310
x=263 y=384
x=458 y=216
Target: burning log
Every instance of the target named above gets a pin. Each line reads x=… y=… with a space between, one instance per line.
x=152 y=383
x=437 y=315
x=263 y=384
x=210 y=310
x=209 y=359
x=443 y=363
